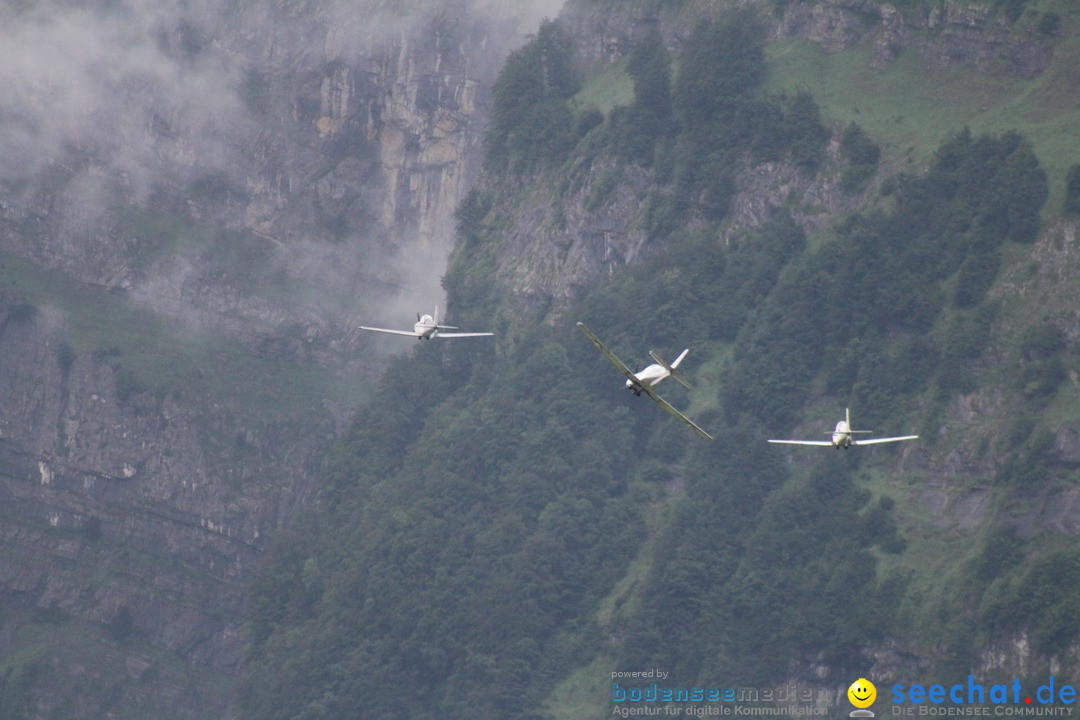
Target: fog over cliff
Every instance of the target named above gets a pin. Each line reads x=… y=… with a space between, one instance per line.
x=341 y=133
x=259 y=176
x=112 y=86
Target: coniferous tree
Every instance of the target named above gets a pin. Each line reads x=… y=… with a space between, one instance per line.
x=721 y=65
x=530 y=118
x=1072 y=190
x=650 y=68
x=648 y=119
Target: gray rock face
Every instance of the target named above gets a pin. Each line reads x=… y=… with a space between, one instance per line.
x=325 y=137
x=556 y=244
x=139 y=517
x=1067 y=443
x=561 y=243
x=955 y=32
x=258 y=173
x=944 y=35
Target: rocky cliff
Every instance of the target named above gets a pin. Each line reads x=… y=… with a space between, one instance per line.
x=189 y=233
x=944 y=34
x=324 y=137
x=134 y=518
x=584 y=238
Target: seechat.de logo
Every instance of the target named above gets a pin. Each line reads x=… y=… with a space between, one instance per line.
x=862 y=695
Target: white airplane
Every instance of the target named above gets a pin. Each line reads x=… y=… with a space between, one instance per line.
x=647 y=380
x=842 y=436
x=428 y=327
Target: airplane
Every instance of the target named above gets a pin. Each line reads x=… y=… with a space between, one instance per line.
x=842 y=436
x=647 y=380
x=428 y=327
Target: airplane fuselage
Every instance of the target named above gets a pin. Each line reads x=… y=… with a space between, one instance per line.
x=425 y=328
x=649 y=377
x=841 y=437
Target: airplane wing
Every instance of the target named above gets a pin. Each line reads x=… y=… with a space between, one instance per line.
x=675 y=413
x=819 y=443
x=875 y=441
x=410 y=333
x=611 y=356
x=441 y=334
x=633 y=378
x=668 y=366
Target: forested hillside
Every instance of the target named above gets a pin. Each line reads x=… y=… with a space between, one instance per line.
x=505 y=526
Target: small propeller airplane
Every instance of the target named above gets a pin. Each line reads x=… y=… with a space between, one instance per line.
x=842 y=436
x=428 y=327
x=647 y=380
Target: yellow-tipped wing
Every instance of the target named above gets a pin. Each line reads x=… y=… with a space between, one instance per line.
x=645 y=388
x=675 y=413
x=609 y=355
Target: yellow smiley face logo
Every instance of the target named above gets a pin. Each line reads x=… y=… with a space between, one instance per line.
x=862 y=693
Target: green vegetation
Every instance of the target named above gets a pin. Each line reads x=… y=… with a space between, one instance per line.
x=531 y=116
x=466 y=600
x=1072 y=190
x=150 y=354
x=646 y=126
x=104 y=676
x=909 y=116
x=691 y=118
x=1043 y=598
x=503 y=526
x=862 y=155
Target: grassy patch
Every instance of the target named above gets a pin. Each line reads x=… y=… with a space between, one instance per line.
x=1065 y=406
x=150 y=353
x=935 y=565
x=584 y=693
x=96 y=665
x=606 y=89
x=708 y=375
x=909 y=110
x=933 y=546
x=624 y=600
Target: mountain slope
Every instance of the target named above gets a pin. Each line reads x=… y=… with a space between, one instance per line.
x=197 y=204
x=519 y=529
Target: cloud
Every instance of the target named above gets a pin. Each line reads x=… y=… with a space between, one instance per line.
x=103 y=103
x=109 y=88
x=144 y=87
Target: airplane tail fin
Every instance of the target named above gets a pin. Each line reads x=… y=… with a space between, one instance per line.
x=670 y=367
x=853 y=431
x=442 y=327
